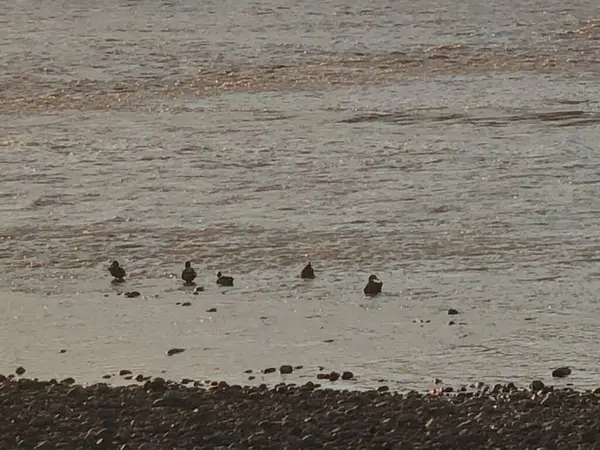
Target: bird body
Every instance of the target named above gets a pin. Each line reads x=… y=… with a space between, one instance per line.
x=117 y=271
x=223 y=280
x=308 y=272
x=373 y=287
x=189 y=274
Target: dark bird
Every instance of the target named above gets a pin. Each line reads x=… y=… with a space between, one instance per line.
x=117 y=271
x=188 y=274
x=224 y=280
x=307 y=272
x=373 y=287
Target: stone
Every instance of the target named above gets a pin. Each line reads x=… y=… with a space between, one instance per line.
x=175 y=351
x=537 y=386
x=561 y=372
x=20 y=370
x=132 y=294
x=286 y=369
x=347 y=375
x=124 y=372
x=452 y=312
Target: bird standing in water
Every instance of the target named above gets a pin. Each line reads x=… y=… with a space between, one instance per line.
x=223 y=280
x=188 y=275
x=117 y=272
x=308 y=272
x=373 y=287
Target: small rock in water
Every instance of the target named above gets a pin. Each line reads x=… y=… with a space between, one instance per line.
x=187 y=381
x=269 y=370
x=328 y=341
x=175 y=351
x=124 y=372
x=186 y=304
x=561 y=372
x=333 y=376
x=107 y=376
x=132 y=294
x=62 y=350
x=20 y=370
x=251 y=377
x=347 y=375
x=286 y=369
x=128 y=377
x=452 y=322
x=298 y=367
x=140 y=378
x=452 y=312
x=198 y=289
x=211 y=310
x=68 y=380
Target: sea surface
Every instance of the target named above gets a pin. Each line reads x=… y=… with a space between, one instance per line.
x=451 y=148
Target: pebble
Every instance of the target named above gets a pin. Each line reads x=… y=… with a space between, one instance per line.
x=124 y=372
x=20 y=370
x=286 y=369
x=346 y=375
x=211 y=310
x=561 y=372
x=175 y=351
x=132 y=294
x=186 y=304
x=452 y=312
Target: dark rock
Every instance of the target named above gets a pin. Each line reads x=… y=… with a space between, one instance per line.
x=298 y=367
x=561 y=372
x=175 y=351
x=68 y=380
x=269 y=370
x=132 y=294
x=62 y=350
x=322 y=376
x=186 y=381
x=186 y=304
x=124 y=372
x=452 y=312
x=20 y=370
x=333 y=376
x=286 y=369
x=251 y=377
x=346 y=375
x=107 y=376
x=383 y=388
x=248 y=371
x=452 y=322
x=211 y=310
x=536 y=386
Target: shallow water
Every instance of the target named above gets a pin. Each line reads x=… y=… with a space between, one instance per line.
x=456 y=161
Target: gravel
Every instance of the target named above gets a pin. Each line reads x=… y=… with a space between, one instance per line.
x=159 y=414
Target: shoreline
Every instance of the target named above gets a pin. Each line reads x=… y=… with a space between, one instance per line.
x=162 y=414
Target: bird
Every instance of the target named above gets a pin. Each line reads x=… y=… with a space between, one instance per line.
x=373 y=287
x=117 y=272
x=188 y=274
x=307 y=272
x=224 y=280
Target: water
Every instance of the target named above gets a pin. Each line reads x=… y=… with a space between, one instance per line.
x=448 y=148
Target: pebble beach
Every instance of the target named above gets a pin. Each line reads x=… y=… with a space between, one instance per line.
x=161 y=414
